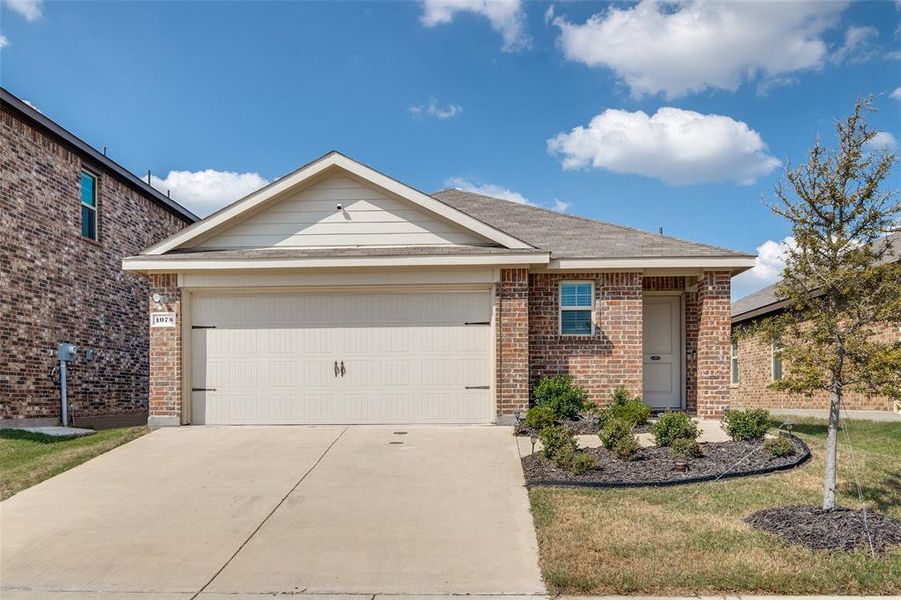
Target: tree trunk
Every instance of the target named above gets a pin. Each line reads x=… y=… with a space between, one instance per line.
x=831 y=447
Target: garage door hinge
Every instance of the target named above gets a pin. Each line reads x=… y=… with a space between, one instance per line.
x=477 y=323
x=478 y=387
x=203 y=327
x=203 y=389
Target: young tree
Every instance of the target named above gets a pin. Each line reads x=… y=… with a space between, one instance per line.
x=840 y=284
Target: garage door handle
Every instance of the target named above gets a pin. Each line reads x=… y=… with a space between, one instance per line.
x=336 y=368
x=203 y=389
x=478 y=387
x=342 y=368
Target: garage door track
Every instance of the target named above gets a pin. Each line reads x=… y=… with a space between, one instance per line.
x=222 y=512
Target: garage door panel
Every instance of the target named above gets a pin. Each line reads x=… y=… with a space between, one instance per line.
x=408 y=358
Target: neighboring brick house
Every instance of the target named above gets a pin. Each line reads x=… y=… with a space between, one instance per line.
x=339 y=295
x=69 y=215
x=755 y=365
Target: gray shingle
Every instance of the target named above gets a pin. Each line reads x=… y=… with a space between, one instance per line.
x=568 y=236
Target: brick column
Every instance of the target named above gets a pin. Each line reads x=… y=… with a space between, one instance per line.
x=714 y=341
x=622 y=318
x=512 y=344
x=165 y=355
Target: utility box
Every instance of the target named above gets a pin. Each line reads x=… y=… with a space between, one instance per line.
x=67 y=351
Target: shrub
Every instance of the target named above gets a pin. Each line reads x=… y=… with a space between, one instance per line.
x=627 y=448
x=747 y=425
x=779 y=447
x=564 y=457
x=554 y=438
x=539 y=417
x=614 y=431
x=582 y=463
x=686 y=448
x=560 y=395
x=672 y=426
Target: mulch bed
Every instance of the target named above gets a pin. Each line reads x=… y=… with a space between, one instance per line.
x=655 y=466
x=838 y=529
x=579 y=427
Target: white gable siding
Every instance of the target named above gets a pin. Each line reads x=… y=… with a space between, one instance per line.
x=369 y=218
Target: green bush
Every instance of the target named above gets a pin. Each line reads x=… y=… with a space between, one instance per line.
x=629 y=408
x=554 y=438
x=564 y=457
x=672 y=426
x=627 y=448
x=779 y=447
x=747 y=425
x=539 y=417
x=560 y=395
x=583 y=462
x=686 y=448
x=620 y=395
x=614 y=431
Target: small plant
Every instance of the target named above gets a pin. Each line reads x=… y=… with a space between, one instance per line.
x=686 y=448
x=583 y=462
x=672 y=426
x=539 y=417
x=614 y=431
x=628 y=407
x=747 y=425
x=560 y=395
x=565 y=456
x=627 y=448
x=554 y=438
x=779 y=447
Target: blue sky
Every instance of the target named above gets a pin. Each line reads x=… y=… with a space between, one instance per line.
x=675 y=116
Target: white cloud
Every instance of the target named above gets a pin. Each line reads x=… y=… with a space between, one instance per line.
x=4 y=41
x=896 y=95
x=677 y=146
x=858 y=46
x=894 y=54
x=767 y=269
x=433 y=110
x=883 y=140
x=685 y=47
x=499 y=191
x=506 y=17
x=206 y=191
x=28 y=102
x=30 y=9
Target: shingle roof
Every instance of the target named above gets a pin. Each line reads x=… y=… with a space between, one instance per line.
x=765 y=301
x=568 y=236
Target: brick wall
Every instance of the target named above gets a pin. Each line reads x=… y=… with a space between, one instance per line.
x=58 y=287
x=600 y=362
x=165 y=353
x=755 y=370
x=713 y=343
x=512 y=352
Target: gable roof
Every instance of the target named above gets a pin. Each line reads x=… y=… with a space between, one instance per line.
x=7 y=99
x=572 y=237
x=765 y=301
x=332 y=161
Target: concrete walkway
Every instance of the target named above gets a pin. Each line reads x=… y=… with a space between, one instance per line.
x=223 y=512
x=862 y=415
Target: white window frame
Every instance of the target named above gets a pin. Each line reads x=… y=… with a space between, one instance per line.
x=94 y=208
x=776 y=351
x=561 y=308
x=734 y=377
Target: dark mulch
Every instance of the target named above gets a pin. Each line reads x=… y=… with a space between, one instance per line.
x=655 y=465
x=838 y=529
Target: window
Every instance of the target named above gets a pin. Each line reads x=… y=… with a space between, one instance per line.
x=734 y=363
x=576 y=302
x=88 y=205
x=777 y=361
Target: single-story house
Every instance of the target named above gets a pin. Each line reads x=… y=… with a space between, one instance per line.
x=337 y=294
x=755 y=363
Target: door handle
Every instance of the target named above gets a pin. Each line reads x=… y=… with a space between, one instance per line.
x=342 y=368
x=336 y=368
x=655 y=358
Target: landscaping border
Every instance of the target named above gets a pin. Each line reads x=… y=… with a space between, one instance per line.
x=804 y=457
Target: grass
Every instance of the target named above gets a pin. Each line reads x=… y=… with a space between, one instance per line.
x=28 y=458
x=691 y=539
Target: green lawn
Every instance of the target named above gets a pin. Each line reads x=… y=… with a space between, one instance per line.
x=691 y=539
x=29 y=458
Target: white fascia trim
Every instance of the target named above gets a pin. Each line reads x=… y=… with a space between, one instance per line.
x=335 y=159
x=145 y=265
x=588 y=264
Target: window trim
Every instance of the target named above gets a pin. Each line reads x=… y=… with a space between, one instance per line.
x=83 y=205
x=561 y=308
x=734 y=375
x=776 y=352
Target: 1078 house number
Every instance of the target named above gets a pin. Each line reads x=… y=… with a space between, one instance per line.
x=162 y=319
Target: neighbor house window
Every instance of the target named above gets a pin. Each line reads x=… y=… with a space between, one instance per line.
x=88 y=205
x=734 y=363
x=777 y=361
x=576 y=302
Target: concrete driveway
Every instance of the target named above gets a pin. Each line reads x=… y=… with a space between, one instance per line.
x=215 y=512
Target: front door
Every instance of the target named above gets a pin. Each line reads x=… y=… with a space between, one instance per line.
x=662 y=340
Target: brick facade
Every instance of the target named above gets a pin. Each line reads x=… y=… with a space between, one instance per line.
x=755 y=370
x=165 y=353
x=714 y=343
x=59 y=287
x=512 y=350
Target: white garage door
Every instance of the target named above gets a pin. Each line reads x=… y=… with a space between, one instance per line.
x=420 y=357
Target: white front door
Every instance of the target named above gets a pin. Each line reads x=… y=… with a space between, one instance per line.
x=347 y=357
x=663 y=351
